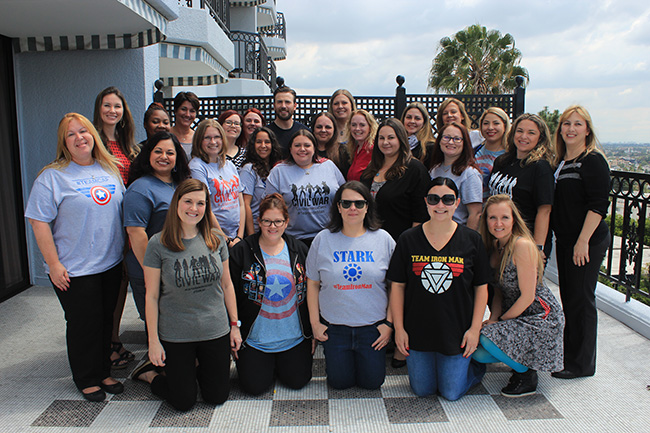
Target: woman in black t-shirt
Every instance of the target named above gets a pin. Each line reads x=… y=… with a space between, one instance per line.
x=439 y=273
x=582 y=237
x=524 y=173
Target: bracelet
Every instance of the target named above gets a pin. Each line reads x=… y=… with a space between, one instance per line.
x=387 y=323
x=235 y=323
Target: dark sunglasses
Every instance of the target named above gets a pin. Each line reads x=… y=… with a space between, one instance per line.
x=447 y=199
x=359 y=204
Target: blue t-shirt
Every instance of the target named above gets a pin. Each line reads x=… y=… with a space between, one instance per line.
x=277 y=327
x=145 y=205
x=255 y=186
x=223 y=184
x=83 y=205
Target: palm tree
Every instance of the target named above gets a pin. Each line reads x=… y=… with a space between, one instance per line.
x=476 y=61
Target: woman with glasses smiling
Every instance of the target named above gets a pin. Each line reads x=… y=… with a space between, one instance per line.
x=347 y=290
x=268 y=271
x=234 y=140
x=439 y=273
x=453 y=157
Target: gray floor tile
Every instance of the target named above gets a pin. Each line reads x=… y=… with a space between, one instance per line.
x=318 y=367
x=403 y=410
x=299 y=413
x=70 y=413
x=236 y=392
x=199 y=416
x=353 y=392
x=530 y=407
x=135 y=390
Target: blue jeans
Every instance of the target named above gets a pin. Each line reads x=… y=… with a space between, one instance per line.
x=452 y=376
x=350 y=359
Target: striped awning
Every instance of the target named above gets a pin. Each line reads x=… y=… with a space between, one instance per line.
x=150 y=36
x=245 y=4
x=191 y=53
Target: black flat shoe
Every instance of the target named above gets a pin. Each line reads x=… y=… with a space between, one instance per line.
x=568 y=374
x=398 y=363
x=116 y=388
x=98 y=395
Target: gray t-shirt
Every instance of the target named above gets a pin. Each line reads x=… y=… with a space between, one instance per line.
x=308 y=194
x=253 y=185
x=83 y=205
x=191 y=305
x=470 y=188
x=223 y=184
x=352 y=275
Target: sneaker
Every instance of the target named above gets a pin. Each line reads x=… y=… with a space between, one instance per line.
x=521 y=384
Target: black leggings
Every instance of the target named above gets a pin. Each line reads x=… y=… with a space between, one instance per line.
x=292 y=367
x=178 y=387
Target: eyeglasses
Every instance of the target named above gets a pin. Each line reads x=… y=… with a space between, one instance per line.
x=448 y=138
x=359 y=204
x=447 y=199
x=276 y=223
x=232 y=123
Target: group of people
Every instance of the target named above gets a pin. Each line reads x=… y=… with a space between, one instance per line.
x=257 y=241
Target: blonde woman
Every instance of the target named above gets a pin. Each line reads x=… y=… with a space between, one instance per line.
x=495 y=125
x=362 y=129
x=75 y=210
x=582 y=237
x=341 y=106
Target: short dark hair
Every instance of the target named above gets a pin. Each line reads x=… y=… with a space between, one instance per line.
x=443 y=181
x=273 y=201
x=370 y=221
x=285 y=89
x=186 y=96
x=141 y=166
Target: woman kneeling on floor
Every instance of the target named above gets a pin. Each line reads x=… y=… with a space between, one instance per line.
x=268 y=271
x=526 y=323
x=188 y=290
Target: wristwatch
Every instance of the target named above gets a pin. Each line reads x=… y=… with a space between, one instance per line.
x=237 y=324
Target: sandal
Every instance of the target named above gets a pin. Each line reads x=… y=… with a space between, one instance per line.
x=120 y=350
x=122 y=359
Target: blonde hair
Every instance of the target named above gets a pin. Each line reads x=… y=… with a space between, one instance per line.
x=544 y=149
x=425 y=134
x=374 y=127
x=197 y=141
x=504 y=119
x=519 y=230
x=591 y=142
x=99 y=152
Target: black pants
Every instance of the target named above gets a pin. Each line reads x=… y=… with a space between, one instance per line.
x=578 y=294
x=88 y=304
x=292 y=367
x=179 y=386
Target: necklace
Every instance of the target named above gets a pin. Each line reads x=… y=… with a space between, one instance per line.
x=500 y=249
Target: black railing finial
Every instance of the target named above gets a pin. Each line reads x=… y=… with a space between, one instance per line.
x=400 y=80
x=158 y=94
x=520 y=97
x=400 y=96
x=279 y=81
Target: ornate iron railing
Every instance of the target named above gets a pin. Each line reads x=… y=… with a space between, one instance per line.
x=219 y=11
x=277 y=31
x=308 y=106
x=625 y=266
x=251 y=57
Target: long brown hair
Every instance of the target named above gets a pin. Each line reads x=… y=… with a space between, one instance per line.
x=197 y=141
x=544 y=147
x=519 y=230
x=125 y=128
x=403 y=157
x=335 y=151
x=170 y=236
x=592 y=143
x=425 y=134
x=463 y=112
x=466 y=158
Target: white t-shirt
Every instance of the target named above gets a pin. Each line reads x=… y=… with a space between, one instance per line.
x=352 y=274
x=223 y=184
x=83 y=205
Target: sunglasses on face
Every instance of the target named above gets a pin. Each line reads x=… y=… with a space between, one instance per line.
x=447 y=199
x=359 y=204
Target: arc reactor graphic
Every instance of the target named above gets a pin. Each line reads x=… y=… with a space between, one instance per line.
x=436 y=277
x=352 y=272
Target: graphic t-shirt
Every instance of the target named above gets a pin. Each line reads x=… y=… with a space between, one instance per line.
x=224 y=186
x=191 y=305
x=439 y=294
x=529 y=186
x=485 y=161
x=83 y=205
x=277 y=327
x=255 y=186
x=308 y=194
x=352 y=274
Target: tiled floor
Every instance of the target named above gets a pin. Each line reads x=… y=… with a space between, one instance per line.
x=37 y=394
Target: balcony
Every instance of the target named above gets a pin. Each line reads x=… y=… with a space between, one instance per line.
x=275 y=38
x=252 y=58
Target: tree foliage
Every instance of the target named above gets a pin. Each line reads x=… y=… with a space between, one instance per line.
x=476 y=61
x=552 y=118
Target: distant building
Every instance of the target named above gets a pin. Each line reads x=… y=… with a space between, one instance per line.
x=55 y=57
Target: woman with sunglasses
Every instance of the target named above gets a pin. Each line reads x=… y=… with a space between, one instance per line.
x=268 y=271
x=439 y=273
x=308 y=184
x=347 y=291
x=453 y=157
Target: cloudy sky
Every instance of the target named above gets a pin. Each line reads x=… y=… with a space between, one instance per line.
x=596 y=53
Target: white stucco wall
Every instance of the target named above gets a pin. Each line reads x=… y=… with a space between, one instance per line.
x=49 y=85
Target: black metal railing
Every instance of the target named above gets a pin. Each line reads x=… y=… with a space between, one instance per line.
x=219 y=11
x=624 y=266
x=252 y=58
x=277 y=31
x=250 y=66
